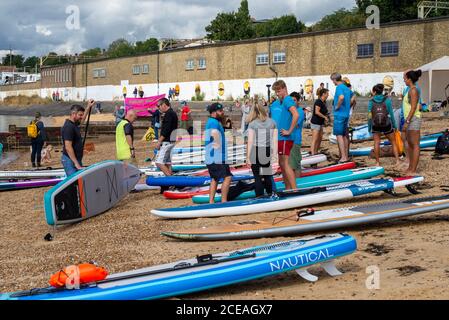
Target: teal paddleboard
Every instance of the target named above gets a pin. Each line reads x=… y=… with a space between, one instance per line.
x=309 y=182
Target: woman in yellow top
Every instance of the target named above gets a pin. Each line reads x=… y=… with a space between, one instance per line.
x=124 y=91
x=412 y=117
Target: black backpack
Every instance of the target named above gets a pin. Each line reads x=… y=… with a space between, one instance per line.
x=379 y=114
x=442 y=146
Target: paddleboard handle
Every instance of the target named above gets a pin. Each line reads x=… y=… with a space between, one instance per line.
x=304 y=213
x=298 y=215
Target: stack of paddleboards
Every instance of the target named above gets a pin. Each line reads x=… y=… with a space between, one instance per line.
x=287 y=200
x=195 y=181
x=309 y=182
x=26 y=179
x=312 y=221
x=189 y=192
x=427 y=141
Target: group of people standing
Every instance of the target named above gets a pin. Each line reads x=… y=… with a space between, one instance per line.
x=277 y=130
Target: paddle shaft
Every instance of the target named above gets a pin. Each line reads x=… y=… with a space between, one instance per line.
x=87 y=127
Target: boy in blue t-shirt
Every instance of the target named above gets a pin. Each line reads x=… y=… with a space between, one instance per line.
x=216 y=153
x=341 y=111
x=286 y=116
x=295 y=154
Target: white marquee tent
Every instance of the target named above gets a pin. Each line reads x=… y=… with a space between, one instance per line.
x=435 y=80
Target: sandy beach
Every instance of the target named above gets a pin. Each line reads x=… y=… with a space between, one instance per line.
x=411 y=253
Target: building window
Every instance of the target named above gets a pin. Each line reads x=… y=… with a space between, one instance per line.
x=261 y=58
x=146 y=69
x=202 y=63
x=365 y=50
x=389 y=49
x=190 y=64
x=99 y=73
x=279 y=57
x=136 y=69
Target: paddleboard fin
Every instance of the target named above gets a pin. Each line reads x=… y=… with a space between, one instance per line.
x=391 y=192
x=331 y=269
x=412 y=189
x=303 y=273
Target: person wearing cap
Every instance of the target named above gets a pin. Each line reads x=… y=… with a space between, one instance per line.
x=167 y=138
x=216 y=153
x=185 y=115
x=341 y=111
x=39 y=141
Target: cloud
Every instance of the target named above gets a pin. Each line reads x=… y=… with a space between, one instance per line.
x=43 y=30
x=36 y=28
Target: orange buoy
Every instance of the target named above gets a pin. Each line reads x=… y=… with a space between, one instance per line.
x=74 y=275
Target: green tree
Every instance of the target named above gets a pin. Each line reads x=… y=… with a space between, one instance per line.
x=31 y=62
x=14 y=60
x=149 y=45
x=340 y=19
x=286 y=24
x=395 y=10
x=223 y=27
x=120 y=48
x=244 y=25
x=95 y=52
x=231 y=26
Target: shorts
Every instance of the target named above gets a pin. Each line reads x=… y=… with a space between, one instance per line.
x=316 y=127
x=164 y=154
x=295 y=158
x=388 y=129
x=415 y=124
x=340 y=126
x=219 y=171
x=285 y=147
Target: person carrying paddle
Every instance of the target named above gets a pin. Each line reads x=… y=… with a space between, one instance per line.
x=124 y=138
x=285 y=114
x=381 y=121
x=215 y=142
x=72 y=142
x=36 y=131
x=262 y=137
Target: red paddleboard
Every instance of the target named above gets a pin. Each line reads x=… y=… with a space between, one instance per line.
x=188 y=193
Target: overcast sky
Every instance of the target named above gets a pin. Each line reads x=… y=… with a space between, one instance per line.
x=38 y=27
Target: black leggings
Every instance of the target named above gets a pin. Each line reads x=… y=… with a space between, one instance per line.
x=261 y=167
x=263 y=182
x=36 y=149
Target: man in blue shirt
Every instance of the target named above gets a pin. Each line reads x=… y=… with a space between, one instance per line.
x=295 y=154
x=341 y=111
x=286 y=116
x=216 y=153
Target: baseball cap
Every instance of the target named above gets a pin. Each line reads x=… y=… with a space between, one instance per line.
x=214 y=107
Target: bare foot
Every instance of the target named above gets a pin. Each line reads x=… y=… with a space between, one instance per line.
x=377 y=164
